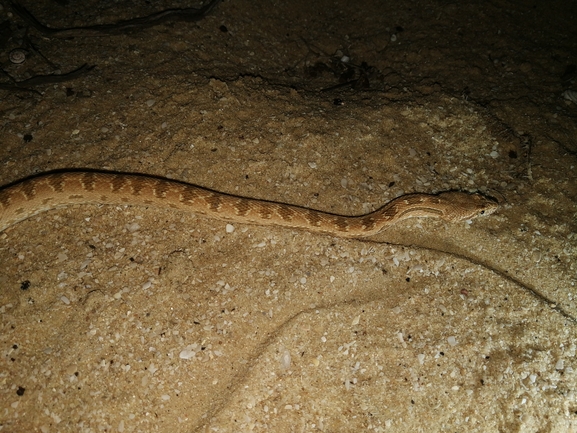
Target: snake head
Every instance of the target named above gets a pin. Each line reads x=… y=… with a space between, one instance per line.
x=464 y=206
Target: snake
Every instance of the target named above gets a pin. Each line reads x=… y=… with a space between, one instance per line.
x=31 y=196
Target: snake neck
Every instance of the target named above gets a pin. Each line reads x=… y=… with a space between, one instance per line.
x=411 y=206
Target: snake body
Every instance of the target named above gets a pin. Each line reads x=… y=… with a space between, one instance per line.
x=59 y=189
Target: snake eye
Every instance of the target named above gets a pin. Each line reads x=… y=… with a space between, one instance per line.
x=482 y=212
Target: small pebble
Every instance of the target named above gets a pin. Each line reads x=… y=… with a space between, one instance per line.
x=285 y=360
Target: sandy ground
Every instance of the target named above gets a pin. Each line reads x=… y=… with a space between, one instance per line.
x=128 y=319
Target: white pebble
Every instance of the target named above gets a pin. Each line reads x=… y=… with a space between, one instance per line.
x=229 y=228
x=189 y=352
x=494 y=154
x=401 y=339
x=452 y=341
x=67 y=302
x=133 y=227
x=570 y=95
x=150 y=102
x=285 y=360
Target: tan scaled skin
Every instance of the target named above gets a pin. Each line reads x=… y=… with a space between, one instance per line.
x=60 y=189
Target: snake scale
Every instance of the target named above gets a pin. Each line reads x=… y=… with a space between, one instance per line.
x=59 y=189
